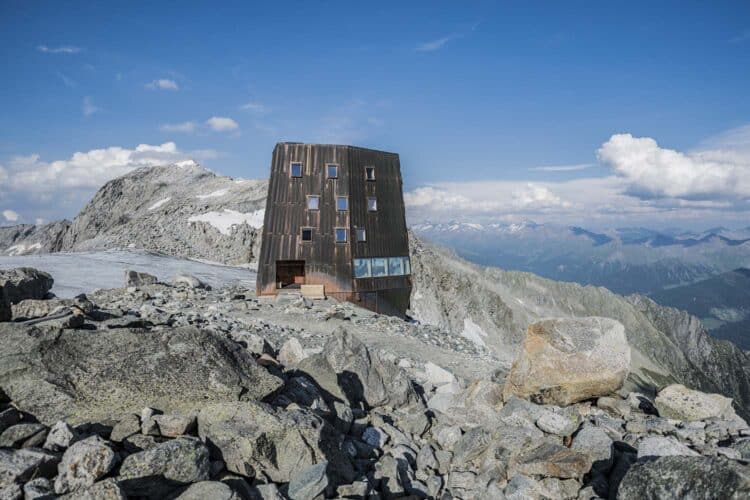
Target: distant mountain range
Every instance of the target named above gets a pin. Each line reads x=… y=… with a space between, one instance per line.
x=625 y=260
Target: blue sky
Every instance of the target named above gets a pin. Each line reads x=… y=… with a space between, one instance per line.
x=471 y=94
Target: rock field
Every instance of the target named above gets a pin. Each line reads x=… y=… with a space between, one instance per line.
x=176 y=390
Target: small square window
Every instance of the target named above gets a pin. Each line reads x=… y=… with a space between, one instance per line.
x=361 y=234
x=332 y=170
x=342 y=203
x=370 y=173
x=307 y=234
x=340 y=235
x=362 y=268
x=372 y=204
x=295 y=169
x=395 y=266
x=313 y=202
x=379 y=267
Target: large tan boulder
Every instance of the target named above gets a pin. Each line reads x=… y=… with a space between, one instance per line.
x=565 y=360
x=680 y=403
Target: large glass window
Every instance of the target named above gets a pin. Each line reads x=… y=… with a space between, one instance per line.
x=407 y=265
x=342 y=203
x=372 y=204
x=340 y=235
x=313 y=202
x=332 y=170
x=395 y=266
x=307 y=234
x=295 y=169
x=379 y=267
x=370 y=173
x=361 y=234
x=362 y=268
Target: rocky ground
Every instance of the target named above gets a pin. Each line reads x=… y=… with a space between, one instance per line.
x=173 y=390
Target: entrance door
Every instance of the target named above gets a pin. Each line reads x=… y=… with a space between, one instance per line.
x=290 y=273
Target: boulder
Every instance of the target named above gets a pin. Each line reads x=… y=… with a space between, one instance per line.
x=38 y=489
x=83 y=464
x=681 y=477
x=60 y=437
x=594 y=442
x=23 y=436
x=551 y=460
x=660 y=446
x=170 y=465
x=309 y=482
x=24 y=283
x=253 y=437
x=680 y=403
x=347 y=370
x=291 y=352
x=17 y=466
x=127 y=426
x=188 y=281
x=135 y=278
x=566 y=360
x=107 y=489
x=175 y=425
x=84 y=376
x=209 y=490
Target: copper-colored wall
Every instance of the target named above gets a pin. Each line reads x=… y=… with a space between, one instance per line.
x=328 y=262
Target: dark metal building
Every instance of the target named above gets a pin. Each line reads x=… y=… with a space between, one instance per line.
x=335 y=217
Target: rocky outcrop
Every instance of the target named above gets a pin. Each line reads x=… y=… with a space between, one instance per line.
x=76 y=375
x=19 y=284
x=566 y=360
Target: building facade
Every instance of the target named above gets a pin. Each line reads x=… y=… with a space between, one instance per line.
x=335 y=217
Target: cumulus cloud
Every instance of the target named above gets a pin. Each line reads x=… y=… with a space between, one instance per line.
x=650 y=171
x=255 y=107
x=563 y=168
x=62 y=49
x=222 y=124
x=162 y=84
x=184 y=127
x=10 y=215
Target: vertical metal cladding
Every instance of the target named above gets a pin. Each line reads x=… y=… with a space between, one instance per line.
x=327 y=261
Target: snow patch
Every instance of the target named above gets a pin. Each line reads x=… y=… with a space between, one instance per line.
x=159 y=203
x=185 y=163
x=473 y=332
x=215 y=194
x=224 y=221
x=22 y=249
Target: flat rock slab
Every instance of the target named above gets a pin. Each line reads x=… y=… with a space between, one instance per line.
x=680 y=477
x=552 y=460
x=566 y=360
x=83 y=376
x=680 y=403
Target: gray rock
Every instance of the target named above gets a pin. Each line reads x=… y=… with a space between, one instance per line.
x=127 y=426
x=659 y=446
x=560 y=488
x=552 y=460
x=594 y=442
x=560 y=423
x=149 y=426
x=358 y=489
x=38 y=489
x=60 y=437
x=680 y=403
x=134 y=278
x=120 y=371
x=266 y=492
x=681 y=477
x=253 y=437
x=522 y=487
x=23 y=283
x=23 y=436
x=349 y=371
x=470 y=446
x=209 y=490
x=8 y=417
x=375 y=437
x=140 y=442
x=156 y=472
x=84 y=463
x=11 y=492
x=18 y=466
x=309 y=482
x=291 y=352
x=107 y=489
x=175 y=425
x=615 y=406
x=426 y=458
x=186 y=280
x=447 y=436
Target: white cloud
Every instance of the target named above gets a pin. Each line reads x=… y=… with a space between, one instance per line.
x=434 y=45
x=10 y=215
x=63 y=49
x=563 y=168
x=88 y=107
x=85 y=170
x=222 y=124
x=163 y=84
x=650 y=171
x=255 y=107
x=184 y=127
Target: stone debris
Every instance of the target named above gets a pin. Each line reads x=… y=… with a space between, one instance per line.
x=179 y=392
